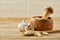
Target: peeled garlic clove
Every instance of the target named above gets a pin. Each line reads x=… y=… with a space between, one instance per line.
x=45 y=33
x=29 y=33
x=38 y=34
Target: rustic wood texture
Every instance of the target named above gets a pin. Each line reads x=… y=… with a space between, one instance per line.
x=9 y=30
x=41 y=24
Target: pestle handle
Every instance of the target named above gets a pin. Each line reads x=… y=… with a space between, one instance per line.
x=47 y=15
x=49 y=11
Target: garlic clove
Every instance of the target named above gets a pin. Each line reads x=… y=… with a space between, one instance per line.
x=44 y=33
x=38 y=34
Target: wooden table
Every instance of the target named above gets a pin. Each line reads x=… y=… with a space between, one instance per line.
x=9 y=31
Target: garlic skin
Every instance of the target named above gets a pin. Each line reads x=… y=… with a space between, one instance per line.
x=22 y=25
x=29 y=27
x=29 y=33
x=29 y=30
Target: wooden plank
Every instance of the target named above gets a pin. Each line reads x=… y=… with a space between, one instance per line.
x=9 y=31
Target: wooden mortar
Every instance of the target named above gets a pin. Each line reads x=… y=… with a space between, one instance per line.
x=42 y=24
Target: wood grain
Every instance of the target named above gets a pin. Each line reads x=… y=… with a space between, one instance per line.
x=9 y=30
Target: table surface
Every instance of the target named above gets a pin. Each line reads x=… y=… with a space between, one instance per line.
x=9 y=31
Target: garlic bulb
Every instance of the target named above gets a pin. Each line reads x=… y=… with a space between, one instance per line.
x=22 y=25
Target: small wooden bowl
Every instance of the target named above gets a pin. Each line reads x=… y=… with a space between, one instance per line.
x=42 y=24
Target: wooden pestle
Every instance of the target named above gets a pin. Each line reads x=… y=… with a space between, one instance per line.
x=48 y=12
